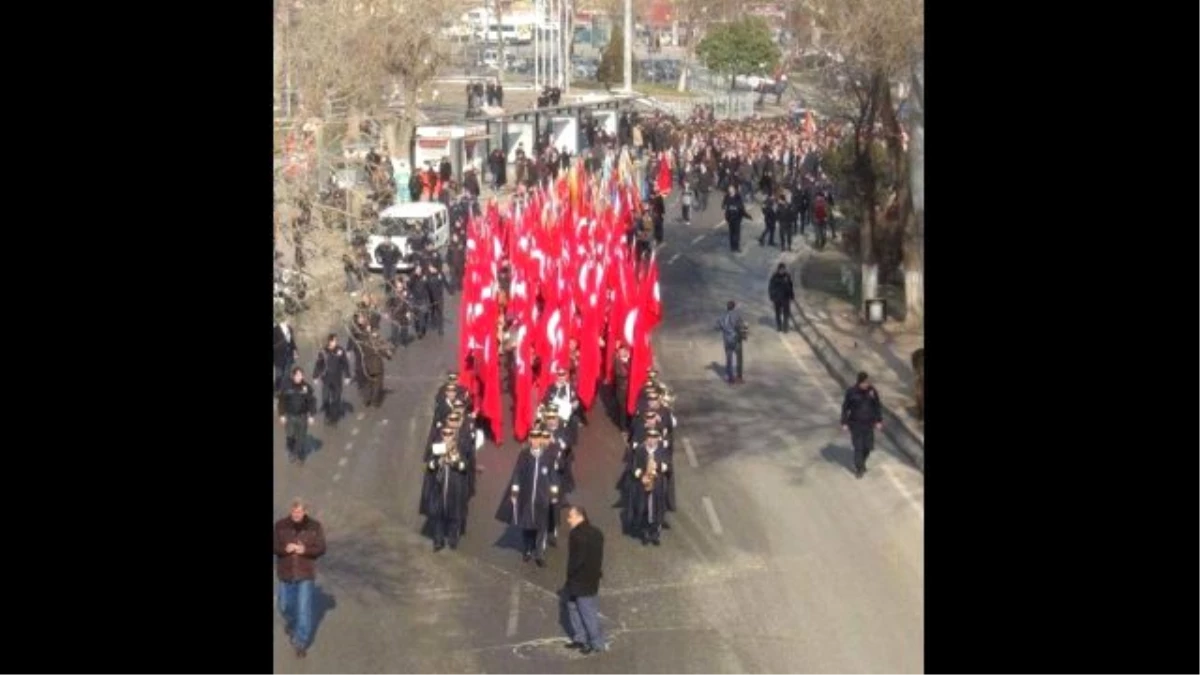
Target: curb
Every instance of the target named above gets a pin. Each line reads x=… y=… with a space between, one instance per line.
x=842 y=370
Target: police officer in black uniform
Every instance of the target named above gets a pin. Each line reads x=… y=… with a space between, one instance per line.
x=769 y=218
x=435 y=286
x=388 y=254
x=782 y=292
x=297 y=405
x=418 y=299
x=333 y=370
x=862 y=415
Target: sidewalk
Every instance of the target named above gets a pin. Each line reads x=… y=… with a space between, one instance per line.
x=827 y=319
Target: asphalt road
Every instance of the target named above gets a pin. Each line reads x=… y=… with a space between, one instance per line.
x=779 y=560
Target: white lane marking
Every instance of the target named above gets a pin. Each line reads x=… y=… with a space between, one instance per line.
x=342 y=461
x=354 y=431
x=673 y=258
x=691 y=454
x=697 y=239
x=887 y=471
x=719 y=225
x=514 y=610
x=712 y=516
x=383 y=422
x=908 y=496
x=348 y=446
x=360 y=416
x=412 y=425
x=337 y=477
x=660 y=246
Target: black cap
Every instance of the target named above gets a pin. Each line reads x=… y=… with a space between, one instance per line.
x=452 y=376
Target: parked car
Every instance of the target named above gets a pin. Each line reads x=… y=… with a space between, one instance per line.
x=406 y=225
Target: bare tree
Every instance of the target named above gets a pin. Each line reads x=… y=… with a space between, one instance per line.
x=879 y=41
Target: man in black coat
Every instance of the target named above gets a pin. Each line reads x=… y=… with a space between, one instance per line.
x=297 y=405
x=735 y=212
x=585 y=561
x=781 y=292
x=862 y=415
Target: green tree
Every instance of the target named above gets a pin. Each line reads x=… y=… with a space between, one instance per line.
x=742 y=47
x=612 y=61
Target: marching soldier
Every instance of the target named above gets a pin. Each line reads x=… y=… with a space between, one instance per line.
x=621 y=367
x=533 y=490
x=333 y=370
x=297 y=405
x=445 y=493
x=650 y=466
x=565 y=401
x=472 y=437
x=563 y=459
x=447 y=399
x=374 y=351
x=573 y=350
x=861 y=416
x=666 y=418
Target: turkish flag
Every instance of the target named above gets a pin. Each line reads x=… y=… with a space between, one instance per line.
x=523 y=386
x=641 y=357
x=651 y=300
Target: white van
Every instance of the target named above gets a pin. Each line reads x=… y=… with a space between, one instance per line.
x=406 y=225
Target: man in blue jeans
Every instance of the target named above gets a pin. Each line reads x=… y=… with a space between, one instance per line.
x=585 y=557
x=299 y=541
x=733 y=333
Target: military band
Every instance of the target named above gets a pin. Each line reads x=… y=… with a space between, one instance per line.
x=543 y=473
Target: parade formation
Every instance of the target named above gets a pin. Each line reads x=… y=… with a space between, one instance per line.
x=557 y=312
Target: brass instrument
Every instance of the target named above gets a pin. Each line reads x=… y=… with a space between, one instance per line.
x=650 y=475
x=451 y=459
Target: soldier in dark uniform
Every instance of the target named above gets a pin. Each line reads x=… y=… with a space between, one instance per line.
x=564 y=462
x=297 y=405
x=561 y=396
x=333 y=370
x=620 y=386
x=418 y=300
x=658 y=211
x=469 y=437
x=651 y=463
x=374 y=351
x=435 y=286
x=533 y=489
x=443 y=406
x=861 y=416
x=444 y=493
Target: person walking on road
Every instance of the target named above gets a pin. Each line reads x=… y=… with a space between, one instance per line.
x=333 y=371
x=861 y=416
x=585 y=560
x=782 y=292
x=299 y=541
x=735 y=212
x=733 y=333
x=297 y=405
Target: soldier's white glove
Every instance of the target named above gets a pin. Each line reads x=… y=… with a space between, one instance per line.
x=432 y=464
x=664 y=467
x=516 y=488
x=462 y=466
x=637 y=473
x=310 y=419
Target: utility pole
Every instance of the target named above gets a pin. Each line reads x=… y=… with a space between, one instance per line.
x=628 y=46
x=499 y=36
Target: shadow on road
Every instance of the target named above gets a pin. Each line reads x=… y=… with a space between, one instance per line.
x=510 y=538
x=310 y=447
x=840 y=455
x=323 y=602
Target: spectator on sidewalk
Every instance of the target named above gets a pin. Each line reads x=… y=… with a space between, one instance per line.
x=782 y=292
x=861 y=416
x=585 y=559
x=733 y=333
x=299 y=541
